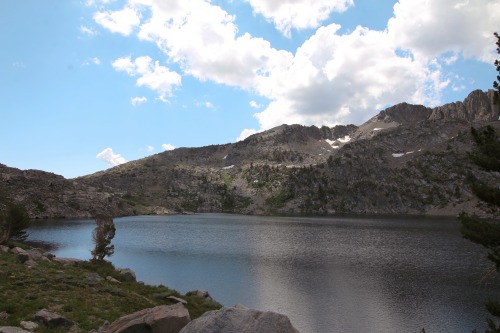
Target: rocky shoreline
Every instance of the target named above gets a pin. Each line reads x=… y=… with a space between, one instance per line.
x=165 y=318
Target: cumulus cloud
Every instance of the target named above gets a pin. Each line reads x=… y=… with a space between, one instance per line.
x=121 y=21
x=246 y=133
x=108 y=156
x=168 y=146
x=138 y=100
x=150 y=148
x=150 y=74
x=331 y=78
x=203 y=39
x=298 y=14
x=442 y=26
x=345 y=79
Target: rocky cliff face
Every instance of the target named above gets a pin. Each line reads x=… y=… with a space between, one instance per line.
x=407 y=159
x=47 y=195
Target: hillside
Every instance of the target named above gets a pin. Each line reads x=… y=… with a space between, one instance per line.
x=408 y=159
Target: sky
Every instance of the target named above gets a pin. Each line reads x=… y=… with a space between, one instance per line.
x=89 y=84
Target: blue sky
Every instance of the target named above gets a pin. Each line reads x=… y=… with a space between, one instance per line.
x=88 y=84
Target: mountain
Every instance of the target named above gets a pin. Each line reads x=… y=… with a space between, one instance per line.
x=408 y=159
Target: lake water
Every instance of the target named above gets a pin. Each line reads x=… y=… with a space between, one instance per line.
x=327 y=274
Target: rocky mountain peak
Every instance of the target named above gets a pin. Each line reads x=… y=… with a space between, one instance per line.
x=404 y=113
x=477 y=107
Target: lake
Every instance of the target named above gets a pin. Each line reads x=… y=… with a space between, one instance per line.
x=340 y=274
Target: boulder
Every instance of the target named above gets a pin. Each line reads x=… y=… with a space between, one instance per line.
x=31 y=263
x=4 y=248
x=67 y=261
x=17 y=250
x=160 y=319
x=177 y=299
x=22 y=257
x=11 y=329
x=4 y=315
x=51 y=319
x=35 y=254
x=240 y=320
x=202 y=294
x=94 y=277
x=112 y=279
x=127 y=273
x=29 y=325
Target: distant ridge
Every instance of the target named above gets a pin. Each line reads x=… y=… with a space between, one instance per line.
x=408 y=159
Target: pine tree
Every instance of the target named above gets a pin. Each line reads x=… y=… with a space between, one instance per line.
x=102 y=236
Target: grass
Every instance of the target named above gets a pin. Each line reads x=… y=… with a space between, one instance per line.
x=67 y=291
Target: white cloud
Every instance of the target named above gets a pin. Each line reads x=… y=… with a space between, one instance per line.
x=202 y=38
x=111 y=158
x=150 y=148
x=298 y=14
x=87 y=31
x=441 y=26
x=245 y=134
x=121 y=21
x=168 y=146
x=255 y=105
x=138 y=100
x=345 y=79
x=150 y=74
x=92 y=61
x=332 y=78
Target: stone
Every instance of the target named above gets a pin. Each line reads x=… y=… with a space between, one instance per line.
x=240 y=320
x=30 y=263
x=127 y=273
x=17 y=250
x=4 y=315
x=52 y=319
x=67 y=261
x=4 y=248
x=11 y=329
x=112 y=279
x=203 y=294
x=35 y=254
x=94 y=277
x=29 y=325
x=160 y=319
x=49 y=255
x=177 y=299
x=22 y=257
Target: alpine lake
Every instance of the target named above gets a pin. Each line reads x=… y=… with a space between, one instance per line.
x=335 y=274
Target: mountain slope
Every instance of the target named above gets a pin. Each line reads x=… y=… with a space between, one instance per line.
x=407 y=159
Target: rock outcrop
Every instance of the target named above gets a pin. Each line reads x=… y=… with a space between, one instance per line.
x=477 y=107
x=51 y=319
x=240 y=320
x=160 y=319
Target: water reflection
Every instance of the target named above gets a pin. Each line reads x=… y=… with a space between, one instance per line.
x=342 y=274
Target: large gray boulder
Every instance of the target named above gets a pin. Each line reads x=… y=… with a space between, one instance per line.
x=160 y=319
x=52 y=319
x=240 y=320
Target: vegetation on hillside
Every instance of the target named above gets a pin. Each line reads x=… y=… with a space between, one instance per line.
x=479 y=231
x=74 y=292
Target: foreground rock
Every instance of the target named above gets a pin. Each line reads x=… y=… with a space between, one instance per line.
x=160 y=319
x=240 y=320
x=52 y=319
x=11 y=329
